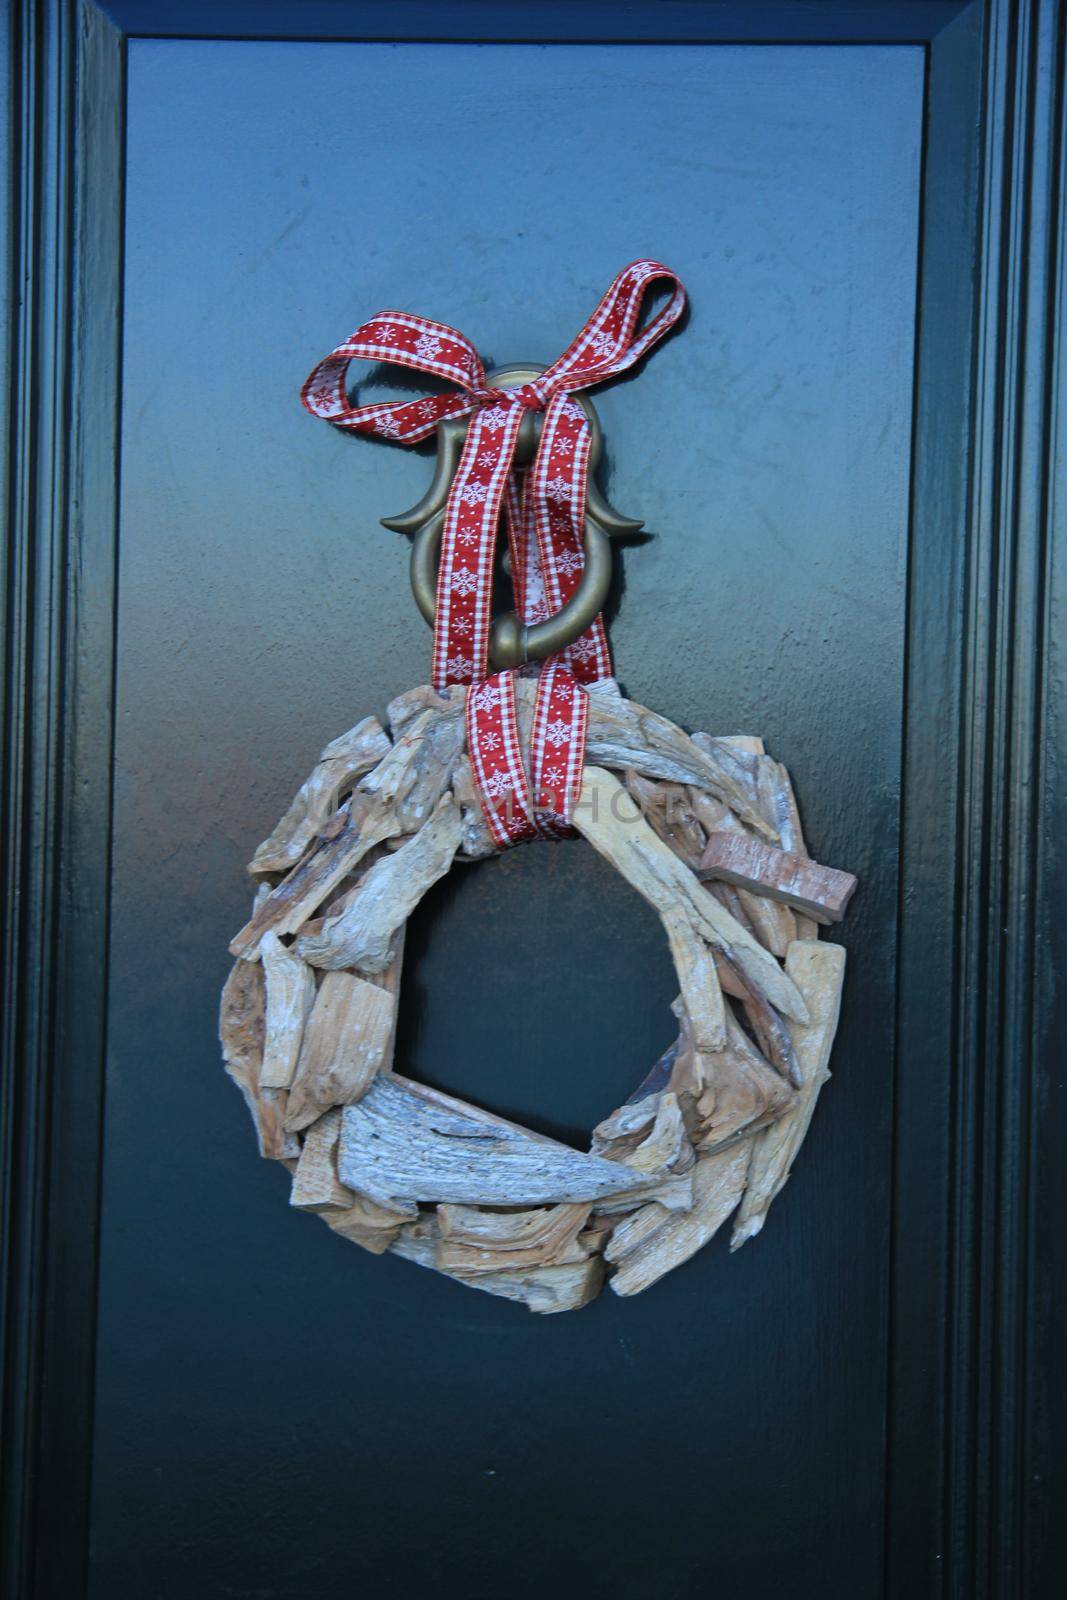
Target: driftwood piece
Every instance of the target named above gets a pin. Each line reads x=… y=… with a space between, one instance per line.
x=242 y=1029
x=821 y=893
x=718 y=1183
x=315 y=1183
x=773 y=924
x=476 y=842
x=242 y=1023
x=732 y=1091
x=290 y=986
x=818 y=969
x=668 y=810
x=730 y=900
x=544 y=1289
x=365 y=932
x=472 y=1261
x=770 y=1032
x=649 y=1135
x=474 y=1241
x=625 y=735
x=371 y=1226
x=749 y=744
x=542 y=1231
x=404 y=708
x=341 y=763
x=418 y=769
x=698 y=979
x=778 y=803
x=346 y=1039
x=674 y=1193
x=657 y=875
x=396 y=1166
x=290 y=905
x=399 y=1143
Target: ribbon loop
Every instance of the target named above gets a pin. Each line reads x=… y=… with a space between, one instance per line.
x=544 y=509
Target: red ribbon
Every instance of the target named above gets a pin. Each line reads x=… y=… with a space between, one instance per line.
x=544 y=510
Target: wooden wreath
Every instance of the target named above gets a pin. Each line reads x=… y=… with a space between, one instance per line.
x=706 y=830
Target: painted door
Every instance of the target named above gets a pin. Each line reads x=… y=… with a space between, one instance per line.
x=278 y=1414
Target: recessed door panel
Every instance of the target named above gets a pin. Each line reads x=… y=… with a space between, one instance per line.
x=277 y=1413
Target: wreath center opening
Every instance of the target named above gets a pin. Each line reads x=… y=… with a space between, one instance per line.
x=536 y=985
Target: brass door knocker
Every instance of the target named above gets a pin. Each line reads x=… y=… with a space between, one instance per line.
x=512 y=643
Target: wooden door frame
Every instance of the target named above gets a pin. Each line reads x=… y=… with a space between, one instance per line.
x=980 y=1157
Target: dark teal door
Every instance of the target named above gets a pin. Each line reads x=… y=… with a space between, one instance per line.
x=277 y=1413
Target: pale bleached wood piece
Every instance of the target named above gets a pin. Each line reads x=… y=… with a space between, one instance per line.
x=542 y=1289
x=773 y=924
x=749 y=744
x=725 y=932
x=346 y=1041
x=418 y=769
x=404 y=708
x=778 y=805
x=653 y=870
x=342 y=762
x=742 y=1091
x=650 y=1136
x=667 y=809
x=713 y=815
x=634 y=1230
x=743 y=765
x=242 y=1029
x=290 y=997
x=819 y=970
x=456 y=1255
x=390 y=981
x=398 y=1143
x=821 y=893
x=730 y=900
x=276 y=1142
x=674 y=1193
x=718 y=1183
x=370 y=1226
x=545 y=1228
x=698 y=979
x=468 y=1261
x=298 y=896
x=365 y=932
x=605 y=689
x=627 y=1126
x=666 y=1147
x=477 y=842
x=315 y=1182
x=242 y=1023
x=771 y=1033
x=622 y=734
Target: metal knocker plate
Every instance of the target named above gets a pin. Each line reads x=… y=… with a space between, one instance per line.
x=512 y=642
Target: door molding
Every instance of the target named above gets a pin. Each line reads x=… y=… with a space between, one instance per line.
x=980 y=1156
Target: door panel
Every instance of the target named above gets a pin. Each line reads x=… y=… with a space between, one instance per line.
x=276 y=1412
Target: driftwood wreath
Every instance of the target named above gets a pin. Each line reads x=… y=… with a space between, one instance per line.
x=706 y=830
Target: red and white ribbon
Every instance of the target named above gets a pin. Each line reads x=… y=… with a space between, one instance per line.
x=520 y=805
x=545 y=512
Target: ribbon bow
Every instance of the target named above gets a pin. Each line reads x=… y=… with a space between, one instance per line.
x=544 y=509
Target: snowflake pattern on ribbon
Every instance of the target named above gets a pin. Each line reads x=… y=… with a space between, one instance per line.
x=518 y=804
